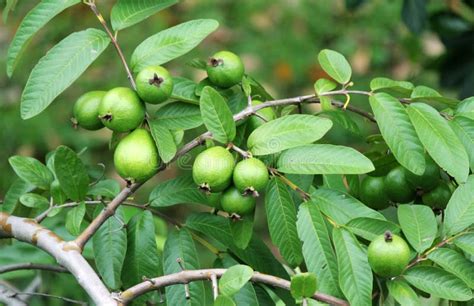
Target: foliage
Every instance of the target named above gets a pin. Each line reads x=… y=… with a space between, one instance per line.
x=314 y=214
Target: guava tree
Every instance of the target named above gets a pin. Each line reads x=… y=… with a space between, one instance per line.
x=393 y=224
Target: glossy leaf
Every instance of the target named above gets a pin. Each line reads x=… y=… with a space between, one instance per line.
x=429 y=95
x=464 y=128
x=31 y=24
x=466 y=243
x=183 y=90
x=242 y=231
x=418 y=224
x=164 y=140
x=466 y=108
x=234 y=279
x=281 y=217
x=180 y=244
x=74 y=219
x=12 y=197
x=179 y=190
x=34 y=200
x=141 y=258
x=179 y=115
x=216 y=115
x=32 y=171
x=391 y=87
x=223 y=300
x=403 y=293
x=59 y=68
x=71 y=173
x=106 y=188
x=398 y=132
x=342 y=119
x=439 y=140
x=455 y=263
x=303 y=285
x=369 y=228
x=459 y=213
x=110 y=246
x=341 y=207
x=171 y=43
x=335 y=65
x=287 y=132
x=318 y=253
x=355 y=275
x=439 y=283
x=126 y=13
x=323 y=159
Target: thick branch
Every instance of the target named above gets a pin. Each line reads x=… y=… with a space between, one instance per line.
x=32 y=266
x=206 y=274
x=67 y=254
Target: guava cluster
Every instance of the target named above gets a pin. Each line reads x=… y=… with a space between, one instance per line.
x=400 y=185
x=123 y=110
x=215 y=171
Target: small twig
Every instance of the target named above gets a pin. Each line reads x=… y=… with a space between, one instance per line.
x=32 y=266
x=261 y=117
x=215 y=286
x=113 y=38
x=245 y=154
x=186 y=284
x=52 y=296
x=303 y=194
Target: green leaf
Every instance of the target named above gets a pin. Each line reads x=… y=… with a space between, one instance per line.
x=459 y=213
x=281 y=217
x=32 y=171
x=392 y=87
x=179 y=115
x=164 y=140
x=455 y=263
x=322 y=86
x=318 y=253
x=9 y=6
x=303 y=285
x=429 y=95
x=398 y=132
x=31 y=24
x=142 y=258
x=180 y=244
x=355 y=275
x=171 y=43
x=12 y=197
x=242 y=231
x=418 y=224
x=71 y=173
x=341 y=207
x=287 y=132
x=234 y=279
x=126 y=13
x=74 y=219
x=335 y=65
x=34 y=200
x=466 y=108
x=369 y=228
x=466 y=243
x=184 y=90
x=223 y=300
x=403 y=293
x=343 y=119
x=439 y=140
x=438 y=283
x=105 y=188
x=59 y=68
x=323 y=159
x=180 y=190
x=197 y=63
x=216 y=115
x=464 y=128
x=110 y=246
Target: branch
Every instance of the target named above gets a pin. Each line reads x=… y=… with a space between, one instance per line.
x=32 y=266
x=67 y=254
x=65 y=299
x=187 y=276
x=113 y=38
x=8 y=295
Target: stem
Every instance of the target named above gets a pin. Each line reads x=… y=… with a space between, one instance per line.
x=187 y=276
x=52 y=296
x=243 y=153
x=113 y=38
x=32 y=266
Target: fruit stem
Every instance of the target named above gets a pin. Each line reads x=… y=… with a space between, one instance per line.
x=245 y=154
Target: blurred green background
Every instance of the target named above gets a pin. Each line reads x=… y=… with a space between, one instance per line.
x=278 y=41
